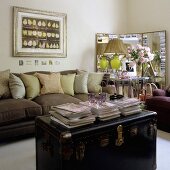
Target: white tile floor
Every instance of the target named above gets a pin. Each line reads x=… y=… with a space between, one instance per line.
x=163 y=151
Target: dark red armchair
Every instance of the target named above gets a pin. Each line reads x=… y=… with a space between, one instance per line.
x=160 y=103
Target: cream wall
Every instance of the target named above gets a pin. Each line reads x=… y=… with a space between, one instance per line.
x=150 y=15
x=85 y=18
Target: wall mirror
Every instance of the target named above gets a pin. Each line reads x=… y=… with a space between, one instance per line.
x=156 y=41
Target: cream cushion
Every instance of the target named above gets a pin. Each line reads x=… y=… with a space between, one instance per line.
x=4 y=87
x=32 y=85
x=94 y=82
x=67 y=83
x=16 y=86
x=80 y=83
x=50 y=83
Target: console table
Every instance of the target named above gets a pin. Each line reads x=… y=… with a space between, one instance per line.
x=125 y=143
x=130 y=87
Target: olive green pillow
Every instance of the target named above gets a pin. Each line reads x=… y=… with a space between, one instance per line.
x=16 y=86
x=67 y=83
x=32 y=85
x=94 y=82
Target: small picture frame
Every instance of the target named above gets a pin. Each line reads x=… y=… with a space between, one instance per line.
x=129 y=68
x=131 y=71
x=39 y=33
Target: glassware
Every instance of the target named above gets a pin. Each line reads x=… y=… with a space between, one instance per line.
x=98 y=100
x=103 y=97
x=91 y=98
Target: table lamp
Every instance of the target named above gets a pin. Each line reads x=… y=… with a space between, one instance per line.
x=115 y=47
x=103 y=63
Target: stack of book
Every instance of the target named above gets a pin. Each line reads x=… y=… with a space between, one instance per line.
x=129 y=106
x=105 y=111
x=71 y=115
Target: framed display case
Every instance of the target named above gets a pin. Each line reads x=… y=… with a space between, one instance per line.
x=39 y=33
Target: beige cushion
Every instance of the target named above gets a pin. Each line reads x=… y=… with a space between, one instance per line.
x=67 y=83
x=32 y=85
x=94 y=82
x=50 y=83
x=80 y=83
x=17 y=87
x=4 y=87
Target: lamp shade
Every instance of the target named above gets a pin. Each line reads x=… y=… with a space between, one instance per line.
x=101 y=48
x=115 y=46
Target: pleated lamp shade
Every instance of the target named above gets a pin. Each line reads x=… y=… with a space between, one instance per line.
x=115 y=46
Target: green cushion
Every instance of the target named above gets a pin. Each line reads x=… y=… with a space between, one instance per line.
x=17 y=87
x=67 y=83
x=80 y=83
x=32 y=85
x=94 y=82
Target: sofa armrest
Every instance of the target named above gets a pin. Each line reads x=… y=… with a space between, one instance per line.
x=159 y=92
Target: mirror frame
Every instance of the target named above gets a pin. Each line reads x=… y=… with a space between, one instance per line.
x=105 y=37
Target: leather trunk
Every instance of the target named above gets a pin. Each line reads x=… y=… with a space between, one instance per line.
x=125 y=143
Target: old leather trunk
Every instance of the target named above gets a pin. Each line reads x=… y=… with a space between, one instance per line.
x=125 y=143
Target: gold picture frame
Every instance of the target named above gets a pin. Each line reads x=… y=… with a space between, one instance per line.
x=39 y=33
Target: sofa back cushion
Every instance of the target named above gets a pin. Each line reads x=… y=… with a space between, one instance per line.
x=94 y=82
x=32 y=85
x=67 y=83
x=50 y=83
x=16 y=86
x=4 y=84
x=80 y=83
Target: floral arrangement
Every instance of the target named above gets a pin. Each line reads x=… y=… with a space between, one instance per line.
x=139 y=54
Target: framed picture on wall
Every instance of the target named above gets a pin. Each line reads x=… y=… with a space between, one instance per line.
x=39 y=33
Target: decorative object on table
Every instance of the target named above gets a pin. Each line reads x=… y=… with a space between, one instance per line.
x=124 y=75
x=39 y=33
x=96 y=99
x=109 y=88
x=91 y=98
x=147 y=91
x=114 y=48
x=103 y=61
x=116 y=96
x=115 y=63
x=141 y=56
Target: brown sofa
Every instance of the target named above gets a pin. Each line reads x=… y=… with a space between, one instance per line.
x=17 y=115
x=160 y=103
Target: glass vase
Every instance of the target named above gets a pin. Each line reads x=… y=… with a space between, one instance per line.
x=140 y=70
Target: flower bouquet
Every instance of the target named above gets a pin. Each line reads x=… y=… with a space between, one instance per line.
x=141 y=56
